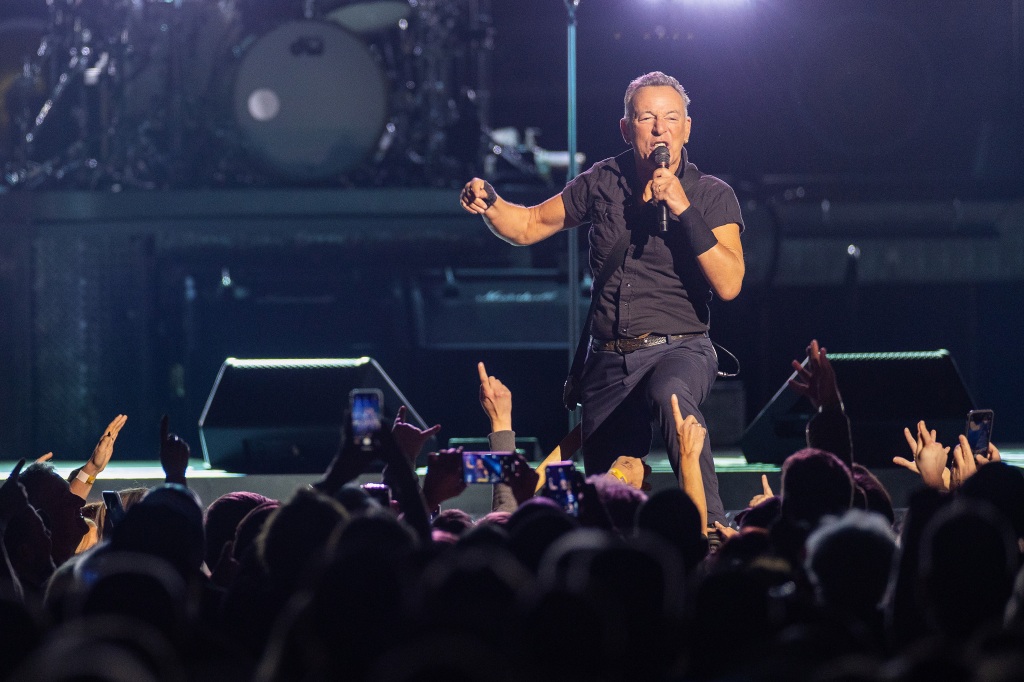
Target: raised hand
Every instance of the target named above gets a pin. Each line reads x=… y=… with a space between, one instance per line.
x=691 y=441
x=766 y=492
x=409 y=438
x=991 y=456
x=522 y=479
x=964 y=463
x=349 y=461
x=817 y=380
x=443 y=479
x=496 y=399
x=929 y=457
x=174 y=454
x=104 y=449
x=725 y=531
x=690 y=433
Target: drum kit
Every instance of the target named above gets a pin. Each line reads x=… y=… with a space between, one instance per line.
x=197 y=93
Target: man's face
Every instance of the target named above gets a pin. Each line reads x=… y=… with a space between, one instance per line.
x=659 y=116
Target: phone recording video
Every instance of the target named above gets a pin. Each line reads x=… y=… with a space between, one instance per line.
x=485 y=467
x=561 y=484
x=366 y=408
x=979 y=430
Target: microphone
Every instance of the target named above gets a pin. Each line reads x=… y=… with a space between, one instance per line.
x=662 y=157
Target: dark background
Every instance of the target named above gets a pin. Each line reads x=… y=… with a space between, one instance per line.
x=892 y=126
x=858 y=89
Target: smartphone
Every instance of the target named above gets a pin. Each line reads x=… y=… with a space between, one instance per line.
x=380 y=492
x=561 y=483
x=979 y=430
x=485 y=467
x=366 y=408
x=115 y=510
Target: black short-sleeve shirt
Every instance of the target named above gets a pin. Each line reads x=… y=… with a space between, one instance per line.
x=660 y=288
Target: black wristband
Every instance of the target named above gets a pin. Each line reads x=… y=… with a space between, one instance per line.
x=697 y=232
x=492 y=196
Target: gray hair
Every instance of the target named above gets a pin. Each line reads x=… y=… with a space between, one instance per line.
x=654 y=78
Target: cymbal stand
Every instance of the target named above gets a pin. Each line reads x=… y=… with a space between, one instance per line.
x=87 y=63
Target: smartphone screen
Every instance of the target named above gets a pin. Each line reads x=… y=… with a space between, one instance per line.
x=485 y=467
x=560 y=485
x=979 y=430
x=366 y=405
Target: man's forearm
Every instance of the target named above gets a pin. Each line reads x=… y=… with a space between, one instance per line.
x=692 y=483
x=509 y=222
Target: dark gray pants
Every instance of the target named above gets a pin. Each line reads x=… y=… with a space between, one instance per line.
x=624 y=395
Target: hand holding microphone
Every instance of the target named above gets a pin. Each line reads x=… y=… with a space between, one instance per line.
x=663 y=158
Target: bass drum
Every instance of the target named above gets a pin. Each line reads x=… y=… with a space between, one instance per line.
x=310 y=100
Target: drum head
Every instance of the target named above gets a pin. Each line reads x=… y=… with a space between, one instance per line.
x=310 y=100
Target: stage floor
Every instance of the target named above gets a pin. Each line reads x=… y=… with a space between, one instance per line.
x=738 y=480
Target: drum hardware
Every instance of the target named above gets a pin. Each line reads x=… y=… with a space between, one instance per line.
x=373 y=92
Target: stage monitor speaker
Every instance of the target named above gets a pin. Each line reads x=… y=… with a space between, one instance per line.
x=285 y=416
x=882 y=393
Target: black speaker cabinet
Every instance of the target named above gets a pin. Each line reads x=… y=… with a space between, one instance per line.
x=285 y=416
x=882 y=393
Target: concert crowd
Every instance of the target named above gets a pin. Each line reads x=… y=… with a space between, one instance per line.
x=821 y=580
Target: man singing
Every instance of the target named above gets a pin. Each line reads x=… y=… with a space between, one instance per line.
x=650 y=326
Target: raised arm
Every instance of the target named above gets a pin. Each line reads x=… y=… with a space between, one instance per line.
x=174 y=454
x=691 y=441
x=518 y=225
x=82 y=480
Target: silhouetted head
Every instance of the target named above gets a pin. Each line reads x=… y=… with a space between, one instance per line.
x=1002 y=486
x=870 y=494
x=60 y=509
x=619 y=500
x=295 y=536
x=167 y=523
x=849 y=560
x=815 y=483
x=671 y=515
x=222 y=518
x=454 y=521
x=969 y=559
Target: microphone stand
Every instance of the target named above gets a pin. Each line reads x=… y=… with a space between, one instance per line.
x=573 y=260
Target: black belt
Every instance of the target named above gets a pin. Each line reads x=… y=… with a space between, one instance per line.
x=624 y=346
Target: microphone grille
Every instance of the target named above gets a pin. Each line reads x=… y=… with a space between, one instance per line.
x=662 y=156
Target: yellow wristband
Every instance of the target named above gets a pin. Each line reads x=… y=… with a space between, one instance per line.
x=614 y=471
x=85 y=478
